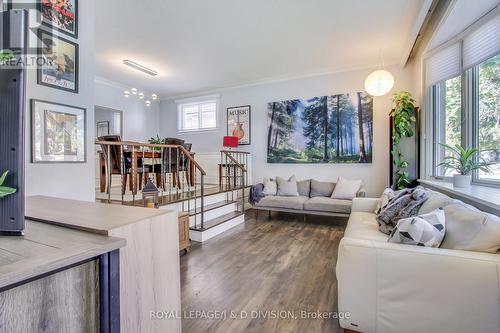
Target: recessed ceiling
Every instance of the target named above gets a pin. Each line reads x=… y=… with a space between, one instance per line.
x=202 y=45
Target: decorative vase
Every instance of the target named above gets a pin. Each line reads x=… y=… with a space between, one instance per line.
x=238 y=131
x=462 y=181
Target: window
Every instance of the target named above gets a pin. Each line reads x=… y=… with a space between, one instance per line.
x=463 y=96
x=489 y=116
x=196 y=116
x=448 y=129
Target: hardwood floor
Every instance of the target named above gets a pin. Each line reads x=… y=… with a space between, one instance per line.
x=279 y=267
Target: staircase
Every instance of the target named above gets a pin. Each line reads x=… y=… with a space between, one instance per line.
x=180 y=183
x=211 y=214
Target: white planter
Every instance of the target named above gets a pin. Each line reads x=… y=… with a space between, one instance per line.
x=462 y=181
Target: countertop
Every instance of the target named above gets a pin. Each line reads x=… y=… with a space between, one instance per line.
x=46 y=248
x=93 y=217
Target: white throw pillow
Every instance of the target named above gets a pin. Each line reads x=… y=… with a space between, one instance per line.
x=346 y=189
x=387 y=195
x=287 y=188
x=470 y=229
x=422 y=230
x=270 y=186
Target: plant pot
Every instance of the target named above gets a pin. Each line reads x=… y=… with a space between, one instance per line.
x=462 y=181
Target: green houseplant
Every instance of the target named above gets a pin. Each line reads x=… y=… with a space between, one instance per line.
x=5 y=190
x=464 y=162
x=403 y=115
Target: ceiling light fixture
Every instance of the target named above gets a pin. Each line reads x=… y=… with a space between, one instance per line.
x=154 y=97
x=134 y=91
x=379 y=82
x=141 y=95
x=148 y=103
x=140 y=67
x=126 y=93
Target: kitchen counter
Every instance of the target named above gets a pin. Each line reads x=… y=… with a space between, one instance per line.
x=149 y=262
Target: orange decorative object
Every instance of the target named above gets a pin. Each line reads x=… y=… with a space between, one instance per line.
x=238 y=131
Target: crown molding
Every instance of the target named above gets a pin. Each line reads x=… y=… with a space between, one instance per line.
x=277 y=79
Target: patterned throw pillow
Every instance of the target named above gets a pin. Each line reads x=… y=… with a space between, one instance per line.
x=422 y=230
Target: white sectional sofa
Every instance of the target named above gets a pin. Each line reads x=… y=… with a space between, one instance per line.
x=387 y=287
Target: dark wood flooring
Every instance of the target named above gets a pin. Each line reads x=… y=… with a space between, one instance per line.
x=276 y=267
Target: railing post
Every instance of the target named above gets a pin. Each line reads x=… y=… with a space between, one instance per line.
x=202 y=200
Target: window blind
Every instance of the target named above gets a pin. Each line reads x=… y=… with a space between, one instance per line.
x=482 y=43
x=443 y=65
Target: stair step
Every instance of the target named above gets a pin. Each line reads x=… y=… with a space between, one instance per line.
x=216 y=205
x=218 y=220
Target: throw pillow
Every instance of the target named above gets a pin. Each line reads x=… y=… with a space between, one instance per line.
x=346 y=189
x=287 y=188
x=304 y=187
x=387 y=195
x=436 y=200
x=471 y=229
x=422 y=230
x=270 y=187
x=321 y=189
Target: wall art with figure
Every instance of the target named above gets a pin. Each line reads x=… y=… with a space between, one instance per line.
x=326 y=129
x=238 y=123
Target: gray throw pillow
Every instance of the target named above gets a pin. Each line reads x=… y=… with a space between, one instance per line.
x=321 y=189
x=304 y=187
x=422 y=230
x=287 y=188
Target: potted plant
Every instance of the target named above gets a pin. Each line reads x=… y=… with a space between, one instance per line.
x=464 y=162
x=5 y=190
x=404 y=119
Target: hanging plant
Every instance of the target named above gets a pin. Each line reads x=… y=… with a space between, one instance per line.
x=404 y=118
x=5 y=190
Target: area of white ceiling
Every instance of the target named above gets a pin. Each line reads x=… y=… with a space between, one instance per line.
x=198 y=45
x=460 y=15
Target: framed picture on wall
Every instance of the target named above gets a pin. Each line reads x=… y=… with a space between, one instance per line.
x=58 y=133
x=239 y=123
x=59 y=15
x=102 y=128
x=59 y=68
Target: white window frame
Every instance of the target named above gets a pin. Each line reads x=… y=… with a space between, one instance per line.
x=181 y=104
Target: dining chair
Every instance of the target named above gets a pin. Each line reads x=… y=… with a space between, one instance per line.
x=120 y=166
x=173 y=162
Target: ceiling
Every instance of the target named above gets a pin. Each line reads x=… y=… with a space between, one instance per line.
x=200 y=45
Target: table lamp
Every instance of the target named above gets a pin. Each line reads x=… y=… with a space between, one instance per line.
x=230 y=141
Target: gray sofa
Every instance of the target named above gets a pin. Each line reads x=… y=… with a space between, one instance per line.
x=313 y=199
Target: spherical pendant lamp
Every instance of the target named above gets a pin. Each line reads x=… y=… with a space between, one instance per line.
x=379 y=83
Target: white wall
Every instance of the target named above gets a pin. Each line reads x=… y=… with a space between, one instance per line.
x=139 y=122
x=375 y=175
x=67 y=180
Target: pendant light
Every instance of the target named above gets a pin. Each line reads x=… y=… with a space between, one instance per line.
x=379 y=82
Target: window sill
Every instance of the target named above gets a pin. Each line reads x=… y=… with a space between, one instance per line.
x=198 y=131
x=484 y=197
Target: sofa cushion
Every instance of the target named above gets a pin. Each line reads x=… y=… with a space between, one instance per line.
x=282 y=202
x=270 y=186
x=287 y=187
x=323 y=204
x=321 y=189
x=364 y=225
x=346 y=189
x=304 y=187
x=468 y=228
x=423 y=230
x=436 y=200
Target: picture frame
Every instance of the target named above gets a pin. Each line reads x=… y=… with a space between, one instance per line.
x=60 y=66
x=102 y=128
x=58 y=133
x=61 y=16
x=239 y=123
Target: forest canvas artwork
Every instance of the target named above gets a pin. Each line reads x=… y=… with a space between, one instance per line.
x=326 y=129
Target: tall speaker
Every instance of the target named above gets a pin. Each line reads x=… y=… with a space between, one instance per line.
x=13 y=38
